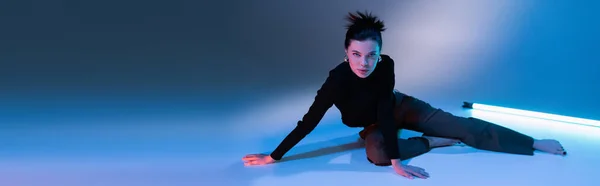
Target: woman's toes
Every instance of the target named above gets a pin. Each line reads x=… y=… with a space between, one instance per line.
x=562 y=151
x=550 y=146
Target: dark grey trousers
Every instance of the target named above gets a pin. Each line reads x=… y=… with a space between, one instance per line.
x=414 y=114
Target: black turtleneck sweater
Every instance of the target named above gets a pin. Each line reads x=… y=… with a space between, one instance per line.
x=361 y=101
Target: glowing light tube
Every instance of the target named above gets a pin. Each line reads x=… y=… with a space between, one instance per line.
x=541 y=115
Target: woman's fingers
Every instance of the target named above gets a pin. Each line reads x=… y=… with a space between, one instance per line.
x=252 y=157
x=417 y=173
x=402 y=172
x=247 y=158
x=256 y=159
x=250 y=162
x=425 y=173
x=418 y=168
x=254 y=162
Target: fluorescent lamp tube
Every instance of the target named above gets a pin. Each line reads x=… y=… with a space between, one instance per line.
x=541 y=115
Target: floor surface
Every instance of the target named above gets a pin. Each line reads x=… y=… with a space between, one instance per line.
x=182 y=149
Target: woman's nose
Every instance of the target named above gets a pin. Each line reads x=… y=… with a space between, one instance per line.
x=364 y=62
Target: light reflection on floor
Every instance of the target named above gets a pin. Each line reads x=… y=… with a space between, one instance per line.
x=185 y=153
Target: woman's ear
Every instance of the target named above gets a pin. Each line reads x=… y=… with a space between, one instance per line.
x=345 y=55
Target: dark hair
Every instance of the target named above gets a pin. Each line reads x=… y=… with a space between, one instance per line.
x=363 y=26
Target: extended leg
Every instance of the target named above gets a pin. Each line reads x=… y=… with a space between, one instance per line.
x=474 y=132
x=479 y=133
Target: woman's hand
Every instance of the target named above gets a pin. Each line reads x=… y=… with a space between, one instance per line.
x=257 y=159
x=408 y=170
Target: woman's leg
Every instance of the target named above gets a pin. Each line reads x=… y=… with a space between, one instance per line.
x=474 y=132
x=414 y=114
x=409 y=148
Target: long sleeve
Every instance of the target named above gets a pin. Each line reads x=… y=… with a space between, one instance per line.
x=322 y=102
x=385 y=109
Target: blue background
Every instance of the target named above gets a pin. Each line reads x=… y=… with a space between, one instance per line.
x=162 y=92
x=67 y=60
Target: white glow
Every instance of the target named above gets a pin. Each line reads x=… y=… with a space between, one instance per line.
x=542 y=128
x=439 y=44
x=442 y=45
x=534 y=114
x=277 y=115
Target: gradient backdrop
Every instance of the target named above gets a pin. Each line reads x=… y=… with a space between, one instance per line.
x=210 y=62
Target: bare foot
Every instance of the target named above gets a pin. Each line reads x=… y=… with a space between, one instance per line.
x=550 y=146
x=440 y=142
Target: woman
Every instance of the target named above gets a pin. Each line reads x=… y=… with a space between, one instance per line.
x=362 y=88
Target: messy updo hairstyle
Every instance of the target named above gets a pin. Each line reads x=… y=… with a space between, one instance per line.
x=363 y=26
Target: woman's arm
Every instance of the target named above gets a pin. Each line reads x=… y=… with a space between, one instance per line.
x=388 y=125
x=386 y=108
x=322 y=102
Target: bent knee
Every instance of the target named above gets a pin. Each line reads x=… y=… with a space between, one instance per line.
x=378 y=158
x=375 y=148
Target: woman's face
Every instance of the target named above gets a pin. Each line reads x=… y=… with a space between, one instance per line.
x=363 y=57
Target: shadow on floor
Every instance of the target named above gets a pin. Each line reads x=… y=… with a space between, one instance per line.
x=319 y=157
